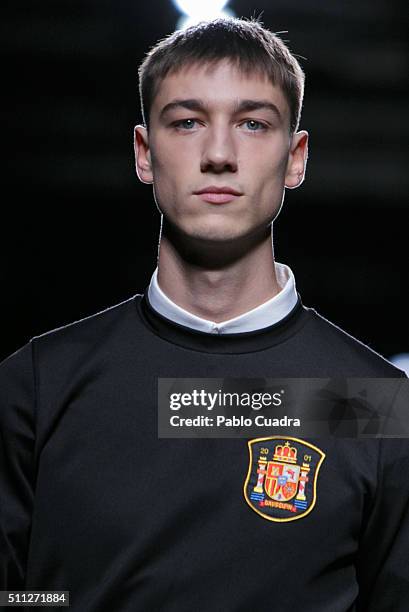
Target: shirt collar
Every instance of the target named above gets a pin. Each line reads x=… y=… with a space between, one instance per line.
x=268 y=313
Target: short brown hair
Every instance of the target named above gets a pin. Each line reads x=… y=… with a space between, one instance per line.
x=246 y=43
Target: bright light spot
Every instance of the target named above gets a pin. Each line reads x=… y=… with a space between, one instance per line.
x=401 y=360
x=195 y=11
x=186 y=21
x=193 y=7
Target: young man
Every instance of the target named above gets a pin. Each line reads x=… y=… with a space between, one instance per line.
x=92 y=501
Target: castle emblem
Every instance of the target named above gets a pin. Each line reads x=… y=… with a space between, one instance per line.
x=281 y=483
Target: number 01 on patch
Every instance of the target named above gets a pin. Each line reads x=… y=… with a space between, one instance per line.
x=281 y=483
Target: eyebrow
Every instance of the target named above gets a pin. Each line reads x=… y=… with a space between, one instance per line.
x=194 y=104
x=250 y=105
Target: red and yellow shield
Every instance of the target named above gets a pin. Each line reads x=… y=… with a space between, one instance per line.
x=281 y=482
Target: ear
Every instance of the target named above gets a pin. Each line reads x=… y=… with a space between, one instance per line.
x=143 y=161
x=297 y=160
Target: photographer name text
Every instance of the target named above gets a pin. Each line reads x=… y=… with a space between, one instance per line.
x=233 y=421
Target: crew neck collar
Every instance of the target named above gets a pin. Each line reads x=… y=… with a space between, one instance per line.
x=229 y=343
x=263 y=316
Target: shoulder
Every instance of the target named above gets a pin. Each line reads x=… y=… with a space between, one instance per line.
x=353 y=357
x=91 y=326
x=94 y=334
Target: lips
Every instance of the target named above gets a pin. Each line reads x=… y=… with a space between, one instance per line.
x=218 y=195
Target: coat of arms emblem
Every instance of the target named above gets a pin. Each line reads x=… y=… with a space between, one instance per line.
x=281 y=483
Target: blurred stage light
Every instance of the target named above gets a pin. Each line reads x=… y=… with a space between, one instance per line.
x=401 y=360
x=198 y=10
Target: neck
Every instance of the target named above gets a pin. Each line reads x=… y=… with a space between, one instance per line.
x=220 y=281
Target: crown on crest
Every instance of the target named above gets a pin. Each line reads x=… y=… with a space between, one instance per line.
x=285 y=453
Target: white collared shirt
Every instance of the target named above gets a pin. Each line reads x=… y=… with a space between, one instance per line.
x=266 y=314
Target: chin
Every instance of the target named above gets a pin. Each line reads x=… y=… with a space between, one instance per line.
x=208 y=230
x=215 y=233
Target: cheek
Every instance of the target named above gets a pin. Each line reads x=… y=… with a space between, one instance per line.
x=166 y=169
x=168 y=165
x=267 y=162
x=279 y=158
x=161 y=160
x=271 y=175
x=269 y=190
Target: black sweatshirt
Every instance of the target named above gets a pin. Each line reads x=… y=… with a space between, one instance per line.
x=91 y=501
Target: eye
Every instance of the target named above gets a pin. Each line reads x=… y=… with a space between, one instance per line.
x=255 y=126
x=185 y=124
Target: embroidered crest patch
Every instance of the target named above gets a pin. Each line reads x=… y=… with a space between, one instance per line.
x=281 y=483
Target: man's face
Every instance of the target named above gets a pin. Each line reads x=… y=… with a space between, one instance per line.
x=216 y=127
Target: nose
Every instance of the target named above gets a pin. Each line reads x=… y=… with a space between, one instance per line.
x=219 y=151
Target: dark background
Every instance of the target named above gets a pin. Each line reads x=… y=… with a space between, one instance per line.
x=78 y=230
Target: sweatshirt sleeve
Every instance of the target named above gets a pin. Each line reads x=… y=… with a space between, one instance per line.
x=17 y=437
x=383 y=565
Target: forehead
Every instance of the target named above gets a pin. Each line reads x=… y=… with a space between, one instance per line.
x=219 y=86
